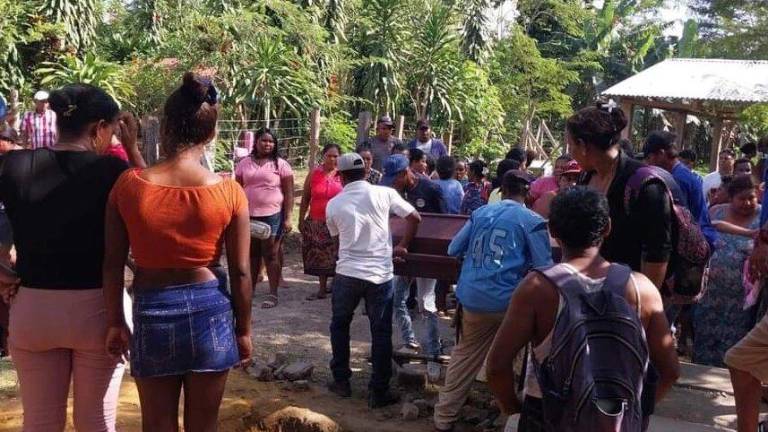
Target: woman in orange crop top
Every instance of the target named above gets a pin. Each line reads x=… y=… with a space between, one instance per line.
x=176 y=216
x=318 y=249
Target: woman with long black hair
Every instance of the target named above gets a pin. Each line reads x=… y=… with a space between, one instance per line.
x=268 y=183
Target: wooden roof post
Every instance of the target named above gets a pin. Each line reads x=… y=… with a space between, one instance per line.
x=717 y=140
x=628 y=107
x=679 y=120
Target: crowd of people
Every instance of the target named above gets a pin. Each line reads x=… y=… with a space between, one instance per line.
x=581 y=269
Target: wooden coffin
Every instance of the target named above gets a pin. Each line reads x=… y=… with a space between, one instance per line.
x=428 y=253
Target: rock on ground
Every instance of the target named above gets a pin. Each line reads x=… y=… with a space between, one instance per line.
x=409 y=412
x=298 y=371
x=294 y=419
x=260 y=371
x=412 y=376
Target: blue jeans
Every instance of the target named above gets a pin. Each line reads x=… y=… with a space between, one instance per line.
x=347 y=293
x=427 y=307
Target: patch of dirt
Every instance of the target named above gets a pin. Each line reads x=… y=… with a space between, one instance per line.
x=297 y=327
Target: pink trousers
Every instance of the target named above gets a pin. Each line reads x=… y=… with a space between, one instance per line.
x=58 y=337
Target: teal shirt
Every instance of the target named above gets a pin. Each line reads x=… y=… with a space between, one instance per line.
x=500 y=244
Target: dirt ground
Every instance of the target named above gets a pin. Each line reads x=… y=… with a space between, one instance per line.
x=297 y=327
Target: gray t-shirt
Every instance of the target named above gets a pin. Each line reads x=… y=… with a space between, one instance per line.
x=380 y=149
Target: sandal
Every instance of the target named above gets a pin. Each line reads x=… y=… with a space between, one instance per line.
x=270 y=302
x=315 y=296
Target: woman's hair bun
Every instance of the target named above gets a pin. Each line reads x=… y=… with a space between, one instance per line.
x=194 y=88
x=618 y=118
x=59 y=101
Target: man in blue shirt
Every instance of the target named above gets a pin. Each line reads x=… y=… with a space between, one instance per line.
x=425 y=142
x=426 y=197
x=500 y=244
x=453 y=191
x=660 y=151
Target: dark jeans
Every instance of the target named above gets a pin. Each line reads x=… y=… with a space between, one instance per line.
x=347 y=293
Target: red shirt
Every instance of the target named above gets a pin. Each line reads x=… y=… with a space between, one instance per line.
x=118 y=151
x=323 y=188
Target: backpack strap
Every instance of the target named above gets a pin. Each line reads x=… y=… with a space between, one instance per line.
x=563 y=278
x=617 y=278
x=644 y=175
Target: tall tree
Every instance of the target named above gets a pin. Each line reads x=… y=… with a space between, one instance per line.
x=734 y=28
x=382 y=38
x=475 y=38
x=79 y=18
x=435 y=63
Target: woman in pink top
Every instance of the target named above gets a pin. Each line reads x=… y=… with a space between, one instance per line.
x=546 y=184
x=318 y=248
x=268 y=183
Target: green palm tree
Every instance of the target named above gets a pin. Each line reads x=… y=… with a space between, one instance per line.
x=382 y=39
x=270 y=76
x=435 y=62
x=110 y=77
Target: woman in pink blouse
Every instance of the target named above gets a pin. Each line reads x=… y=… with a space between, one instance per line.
x=319 y=250
x=268 y=183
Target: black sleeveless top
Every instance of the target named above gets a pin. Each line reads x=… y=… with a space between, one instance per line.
x=56 y=201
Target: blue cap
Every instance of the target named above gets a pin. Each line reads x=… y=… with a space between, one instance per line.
x=393 y=165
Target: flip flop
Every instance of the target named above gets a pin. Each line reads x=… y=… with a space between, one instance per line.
x=315 y=296
x=270 y=302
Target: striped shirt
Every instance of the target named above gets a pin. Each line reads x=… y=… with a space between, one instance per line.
x=39 y=129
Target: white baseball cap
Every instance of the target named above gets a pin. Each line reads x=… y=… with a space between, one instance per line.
x=350 y=161
x=41 y=95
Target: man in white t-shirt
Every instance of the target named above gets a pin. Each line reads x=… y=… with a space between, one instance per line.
x=724 y=168
x=359 y=217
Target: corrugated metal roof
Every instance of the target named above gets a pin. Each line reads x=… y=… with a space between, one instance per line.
x=699 y=79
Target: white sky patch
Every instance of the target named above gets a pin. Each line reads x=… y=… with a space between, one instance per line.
x=675 y=12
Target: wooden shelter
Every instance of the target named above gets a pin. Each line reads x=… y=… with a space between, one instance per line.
x=707 y=88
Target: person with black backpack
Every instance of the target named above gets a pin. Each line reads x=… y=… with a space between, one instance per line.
x=641 y=230
x=593 y=326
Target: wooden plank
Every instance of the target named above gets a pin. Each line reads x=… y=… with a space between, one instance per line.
x=551 y=137
x=695 y=108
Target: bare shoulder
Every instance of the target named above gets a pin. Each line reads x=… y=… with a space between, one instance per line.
x=536 y=289
x=650 y=297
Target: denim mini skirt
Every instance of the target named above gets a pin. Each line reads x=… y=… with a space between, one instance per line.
x=183 y=328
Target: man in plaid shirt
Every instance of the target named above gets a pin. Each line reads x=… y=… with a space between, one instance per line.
x=38 y=127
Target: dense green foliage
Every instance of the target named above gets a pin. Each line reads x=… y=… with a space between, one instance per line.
x=442 y=59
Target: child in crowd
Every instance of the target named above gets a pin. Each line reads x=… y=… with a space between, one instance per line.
x=461 y=173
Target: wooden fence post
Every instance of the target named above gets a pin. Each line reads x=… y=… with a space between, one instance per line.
x=150 y=134
x=363 y=126
x=399 y=126
x=314 y=137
